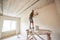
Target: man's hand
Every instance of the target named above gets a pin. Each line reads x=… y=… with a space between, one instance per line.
x=36 y=13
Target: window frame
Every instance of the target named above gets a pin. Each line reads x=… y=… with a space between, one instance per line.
x=10 y=25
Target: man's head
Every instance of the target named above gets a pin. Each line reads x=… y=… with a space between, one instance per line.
x=32 y=10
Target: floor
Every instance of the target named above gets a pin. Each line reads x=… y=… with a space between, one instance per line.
x=23 y=37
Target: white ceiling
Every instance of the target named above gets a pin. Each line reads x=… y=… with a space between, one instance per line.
x=18 y=7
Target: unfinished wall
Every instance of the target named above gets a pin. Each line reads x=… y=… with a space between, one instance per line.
x=47 y=19
x=1 y=22
x=57 y=2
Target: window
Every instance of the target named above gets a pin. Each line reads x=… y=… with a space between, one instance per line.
x=9 y=25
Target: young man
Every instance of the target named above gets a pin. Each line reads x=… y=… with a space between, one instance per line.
x=31 y=19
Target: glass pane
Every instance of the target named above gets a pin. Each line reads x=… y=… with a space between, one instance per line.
x=13 y=25
x=6 y=25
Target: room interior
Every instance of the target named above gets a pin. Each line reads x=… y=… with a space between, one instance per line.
x=14 y=18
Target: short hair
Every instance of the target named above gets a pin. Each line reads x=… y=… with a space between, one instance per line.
x=32 y=10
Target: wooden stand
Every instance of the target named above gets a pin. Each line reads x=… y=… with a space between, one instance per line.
x=31 y=32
